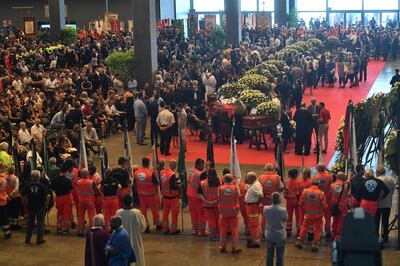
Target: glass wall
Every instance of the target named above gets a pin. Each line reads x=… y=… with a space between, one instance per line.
x=381 y=4
x=345 y=4
x=208 y=5
x=249 y=5
x=311 y=5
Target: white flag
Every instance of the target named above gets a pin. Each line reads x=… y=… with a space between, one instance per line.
x=83 y=162
x=234 y=162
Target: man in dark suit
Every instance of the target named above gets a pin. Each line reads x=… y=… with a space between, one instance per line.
x=304 y=127
x=314 y=109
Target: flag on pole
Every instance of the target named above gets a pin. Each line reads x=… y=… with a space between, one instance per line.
x=46 y=165
x=83 y=162
x=34 y=155
x=210 y=147
x=349 y=135
x=154 y=161
x=16 y=159
x=182 y=170
x=234 y=160
x=279 y=159
x=127 y=150
x=104 y=161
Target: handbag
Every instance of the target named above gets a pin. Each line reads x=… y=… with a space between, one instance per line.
x=335 y=208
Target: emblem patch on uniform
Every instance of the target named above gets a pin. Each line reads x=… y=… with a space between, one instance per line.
x=1 y=183
x=141 y=176
x=268 y=183
x=338 y=189
x=371 y=185
x=227 y=192
x=311 y=196
x=164 y=178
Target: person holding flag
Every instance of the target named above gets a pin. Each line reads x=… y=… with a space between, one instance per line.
x=121 y=174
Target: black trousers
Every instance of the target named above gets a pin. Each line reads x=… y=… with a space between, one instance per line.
x=4 y=221
x=363 y=73
x=154 y=132
x=303 y=141
x=37 y=215
x=383 y=213
x=165 y=140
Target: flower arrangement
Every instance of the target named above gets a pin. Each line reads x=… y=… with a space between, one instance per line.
x=270 y=108
x=232 y=89
x=332 y=42
x=339 y=142
x=252 y=98
x=390 y=152
x=339 y=166
x=279 y=64
x=272 y=69
x=255 y=82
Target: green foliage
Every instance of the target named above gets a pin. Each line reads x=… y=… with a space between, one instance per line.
x=217 y=38
x=68 y=36
x=293 y=17
x=391 y=158
x=122 y=64
x=332 y=42
x=43 y=36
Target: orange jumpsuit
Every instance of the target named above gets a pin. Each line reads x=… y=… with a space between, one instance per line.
x=75 y=193
x=325 y=181
x=146 y=189
x=344 y=204
x=14 y=204
x=195 y=203
x=110 y=200
x=270 y=182
x=292 y=196
x=86 y=190
x=211 y=210
x=242 y=202
x=314 y=205
x=170 y=201
x=228 y=205
x=97 y=197
x=304 y=183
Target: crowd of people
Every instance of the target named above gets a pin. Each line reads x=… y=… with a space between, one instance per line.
x=47 y=93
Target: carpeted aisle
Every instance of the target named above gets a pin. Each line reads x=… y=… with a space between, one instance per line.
x=336 y=100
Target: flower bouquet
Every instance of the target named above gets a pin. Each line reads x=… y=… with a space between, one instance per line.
x=339 y=142
x=339 y=166
x=270 y=108
x=252 y=98
x=255 y=82
x=232 y=89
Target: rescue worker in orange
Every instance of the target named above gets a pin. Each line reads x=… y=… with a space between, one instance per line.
x=109 y=188
x=170 y=195
x=370 y=191
x=15 y=201
x=314 y=204
x=252 y=198
x=228 y=205
x=242 y=203
x=271 y=182
x=195 y=203
x=292 y=196
x=73 y=175
x=147 y=183
x=62 y=187
x=305 y=182
x=5 y=226
x=325 y=181
x=341 y=197
x=98 y=202
x=208 y=192
x=87 y=189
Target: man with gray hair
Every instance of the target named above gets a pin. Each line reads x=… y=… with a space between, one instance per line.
x=275 y=229
x=37 y=196
x=96 y=240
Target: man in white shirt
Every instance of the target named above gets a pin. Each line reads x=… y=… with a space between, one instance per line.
x=165 y=120
x=38 y=131
x=90 y=136
x=23 y=134
x=253 y=195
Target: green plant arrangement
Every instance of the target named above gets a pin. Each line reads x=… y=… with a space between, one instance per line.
x=270 y=108
x=255 y=82
x=279 y=64
x=391 y=152
x=332 y=43
x=217 y=38
x=43 y=36
x=252 y=98
x=232 y=89
x=68 y=36
x=293 y=17
x=122 y=64
x=339 y=141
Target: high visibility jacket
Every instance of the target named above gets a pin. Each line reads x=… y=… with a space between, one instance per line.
x=313 y=202
x=325 y=181
x=292 y=189
x=243 y=190
x=144 y=182
x=336 y=189
x=76 y=177
x=270 y=182
x=193 y=183
x=6 y=158
x=304 y=183
x=86 y=189
x=228 y=200
x=12 y=185
x=3 y=191
x=210 y=194
x=166 y=190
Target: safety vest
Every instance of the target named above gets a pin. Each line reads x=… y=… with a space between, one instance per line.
x=292 y=190
x=210 y=194
x=270 y=183
x=336 y=189
x=10 y=186
x=6 y=158
x=76 y=177
x=228 y=200
x=144 y=182
x=85 y=189
x=166 y=190
x=243 y=190
x=304 y=183
x=325 y=181
x=193 y=183
x=3 y=191
x=313 y=202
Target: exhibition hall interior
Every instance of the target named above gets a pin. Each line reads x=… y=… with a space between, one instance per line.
x=199 y=132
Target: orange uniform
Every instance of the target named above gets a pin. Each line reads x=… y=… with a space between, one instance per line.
x=211 y=210
x=110 y=204
x=170 y=201
x=75 y=193
x=325 y=181
x=86 y=190
x=343 y=204
x=304 y=183
x=3 y=207
x=292 y=196
x=271 y=182
x=228 y=204
x=242 y=202
x=146 y=189
x=314 y=205
x=98 y=202
x=195 y=203
x=15 y=204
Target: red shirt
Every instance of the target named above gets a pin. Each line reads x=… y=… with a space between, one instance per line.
x=324 y=116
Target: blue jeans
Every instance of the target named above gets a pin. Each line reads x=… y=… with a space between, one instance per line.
x=280 y=250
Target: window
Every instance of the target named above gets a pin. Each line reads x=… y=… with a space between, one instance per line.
x=311 y=5
x=380 y=4
x=182 y=8
x=208 y=5
x=307 y=16
x=266 y=5
x=346 y=4
x=249 y=5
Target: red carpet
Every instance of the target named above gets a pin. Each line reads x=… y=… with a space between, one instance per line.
x=336 y=100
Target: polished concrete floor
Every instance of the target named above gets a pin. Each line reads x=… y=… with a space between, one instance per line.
x=183 y=249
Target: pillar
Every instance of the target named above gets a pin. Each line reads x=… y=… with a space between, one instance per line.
x=233 y=22
x=144 y=23
x=57 y=18
x=281 y=11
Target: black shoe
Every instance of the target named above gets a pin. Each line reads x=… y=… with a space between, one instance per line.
x=8 y=236
x=147 y=231
x=166 y=233
x=65 y=232
x=178 y=231
x=253 y=245
x=142 y=143
x=310 y=236
x=328 y=235
x=167 y=154
x=158 y=227
x=73 y=225
x=59 y=231
x=27 y=241
x=40 y=242
x=46 y=231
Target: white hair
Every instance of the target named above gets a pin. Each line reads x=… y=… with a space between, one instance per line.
x=98 y=220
